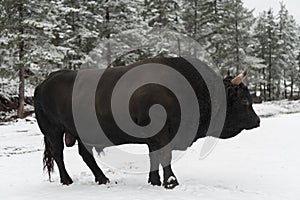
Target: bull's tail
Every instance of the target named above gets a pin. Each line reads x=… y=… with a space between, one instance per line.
x=48 y=158
x=43 y=124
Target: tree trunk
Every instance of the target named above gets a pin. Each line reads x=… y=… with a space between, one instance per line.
x=261 y=90
x=195 y=19
x=285 y=85
x=237 y=47
x=285 y=89
x=292 y=85
x=260 y=84
x=216 y=45
x=278 y=92
x=21 y=65
x=21 y=91
x=270 y=63
x=179 y=47
x=108 y=54
x=256 y=84
x=264 y=84
x=108 y=46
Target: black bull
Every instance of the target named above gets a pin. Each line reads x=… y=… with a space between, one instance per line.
x=53 y=108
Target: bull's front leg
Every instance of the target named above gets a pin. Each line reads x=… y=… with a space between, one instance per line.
x=154 y=178
x=170 y=180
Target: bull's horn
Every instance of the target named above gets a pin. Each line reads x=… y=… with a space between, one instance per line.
x=239 y=79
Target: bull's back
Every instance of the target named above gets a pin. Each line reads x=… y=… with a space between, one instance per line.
x=55 y=97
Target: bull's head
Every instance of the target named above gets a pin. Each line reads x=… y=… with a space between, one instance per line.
x=240 y=114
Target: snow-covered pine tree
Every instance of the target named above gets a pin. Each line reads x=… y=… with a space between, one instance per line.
x=161 y=13
x=22 y=34
x=267 y=35
x=166 y=15
x=216 y=40
x=4 y=50
x=260 y=50
x=256 y=66
x=297 y=78
x=198 y=17
x=122 y=25
x=287 y=51
x=227 y=26
x=199 y=20
x=76 y=29
x=272 y=54
x=237 y=21
x=4 y=58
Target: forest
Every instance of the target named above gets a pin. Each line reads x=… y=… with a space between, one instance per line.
x=38 y=37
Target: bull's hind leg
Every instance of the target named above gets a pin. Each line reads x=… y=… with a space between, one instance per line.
x=170 y=180
x=54 y=146
x=89 y=159
x=57 y=151
x=154 y=178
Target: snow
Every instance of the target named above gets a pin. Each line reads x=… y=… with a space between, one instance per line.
x=171 y=178
x=274 y=108
x=258 y=164
x=9 y=87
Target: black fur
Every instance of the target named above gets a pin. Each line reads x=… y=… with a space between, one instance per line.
x=48 y=159
x=53 y=108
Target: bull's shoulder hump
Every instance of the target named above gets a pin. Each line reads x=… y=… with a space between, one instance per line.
x=167 y=61
x=63 y=71
x=60 y=73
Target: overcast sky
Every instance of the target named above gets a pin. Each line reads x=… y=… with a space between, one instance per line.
x=292 y=5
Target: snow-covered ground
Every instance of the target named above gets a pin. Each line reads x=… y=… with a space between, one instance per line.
x=274 y=108
x=259 y=164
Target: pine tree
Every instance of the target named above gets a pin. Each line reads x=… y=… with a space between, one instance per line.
x=223 y=26
x=237 y=20
x=268 y=36
x=198 y=19
x=287 y=55
x=122 y=23
x=77 y=25
x=19 y=38
x=260 y=50
x=217 y=40
x=161 y=13
x=164 y=21
x=297 y=78
x=26 y=29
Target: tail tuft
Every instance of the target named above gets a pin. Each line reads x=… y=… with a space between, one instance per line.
x=48 y=158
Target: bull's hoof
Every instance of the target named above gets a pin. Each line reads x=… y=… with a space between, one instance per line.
x=102 y=180
x=154 y=178
x=66 y=181
x=171 y=183
x=154 y=182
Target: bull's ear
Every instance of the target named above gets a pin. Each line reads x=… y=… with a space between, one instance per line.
x=239 y=79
